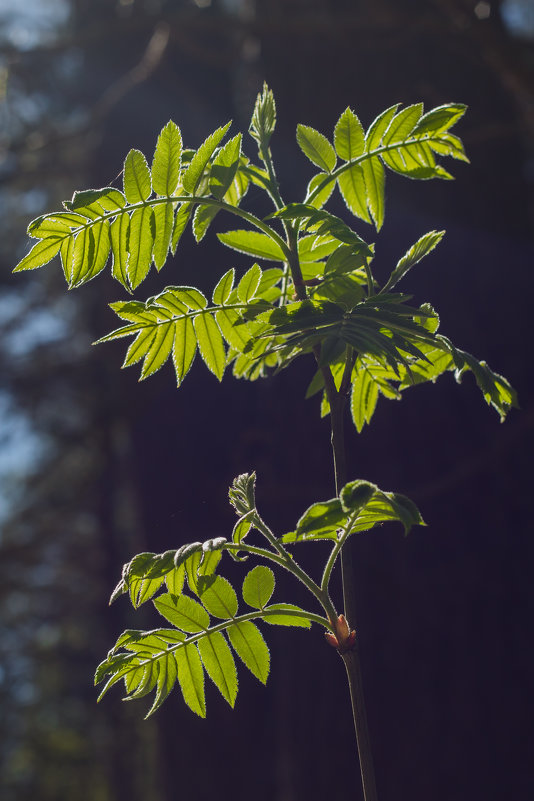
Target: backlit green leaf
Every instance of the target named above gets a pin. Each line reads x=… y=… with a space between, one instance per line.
x=167 y=674
x=348 y=136
x=159 y=350
x=364 y=397
x=224 y=286
x=94 y=258
x=185 y=348
x=119 y=231
x=246 y=288
x=180 y=223
x=139 y=347
x=195 y=170
x=41 y=253
x=164 y=221
x=220 y=599
x=137 y=186
x=237 y=336
x=321 y=519
x=316 y=147
x=55 y=224
x=284 y=615
x=224 y=167
x=220 y=665
x=210 y=344
x=253 y=243
x=352 y=187
x=402 y=124
x=374 y=178
x=413 y=255
x=378 y=127
x=175 y=580
x=191 y=678
x=440 y=118
x=258 y=586
x=202 y=220
x=167 y=160
x=322 y=196
x=140 y=244
x=250 y=647
x=183 y=612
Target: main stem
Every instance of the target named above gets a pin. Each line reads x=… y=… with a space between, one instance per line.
x=351 y=658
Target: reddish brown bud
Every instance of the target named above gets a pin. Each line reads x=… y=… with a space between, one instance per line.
x=344 y=639
x=331 y=639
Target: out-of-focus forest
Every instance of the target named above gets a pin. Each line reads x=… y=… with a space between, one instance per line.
x=95 y=467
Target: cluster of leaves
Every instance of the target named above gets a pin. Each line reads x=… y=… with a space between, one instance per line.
x=257 y=323
x=320 y=298
x=194 y=645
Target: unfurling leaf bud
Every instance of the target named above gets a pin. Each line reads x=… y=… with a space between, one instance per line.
x=344 y=639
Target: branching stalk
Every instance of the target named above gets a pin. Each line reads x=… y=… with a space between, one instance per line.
x=351 y=657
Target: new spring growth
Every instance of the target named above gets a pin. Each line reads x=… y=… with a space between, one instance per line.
x=344 y=639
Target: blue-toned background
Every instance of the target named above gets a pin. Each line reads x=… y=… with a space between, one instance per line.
x=95 y=467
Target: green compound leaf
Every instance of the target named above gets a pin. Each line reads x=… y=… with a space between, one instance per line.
x=191 y=678
x=167 y=673
x=353 y=189
x=258 y=586
x=378 y=128
x=361 y=506
x=440 y=118
x=286 y=615
x=364 y=397
x=375 y=183
x=324 y=193
x=164 y=221
x=253 y=243
x=143 y=589
x=220 y=599
x=167 y=160
x=183 y=612
x=224 y=167
x=413 y=255
x=137 y=185
x=90 y=259
x=92 y=202
x=321 y=519
x=161 y=345
x=349 y=136
x=174 y=580
x=140 y=244
x=222 y=291
x=316 y=147
x=185 y=348
x=402 y=124
x=249 y=645
x=41 y=253
x=220 y=665
x=246 y=288
x=199 y=162
x=119 y=232
x=180 y=223
x=210 y=344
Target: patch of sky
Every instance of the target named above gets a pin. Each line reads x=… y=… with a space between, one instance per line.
x=518 y=16
x=33 y=22
x=22 y=448
x=24 y=331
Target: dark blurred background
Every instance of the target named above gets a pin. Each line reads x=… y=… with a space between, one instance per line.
x=95 y=467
